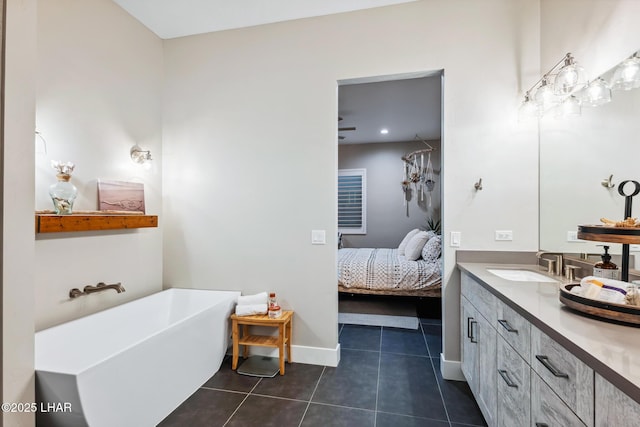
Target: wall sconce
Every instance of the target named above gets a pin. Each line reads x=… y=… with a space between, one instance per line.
x=140 y=156
x=568 y=78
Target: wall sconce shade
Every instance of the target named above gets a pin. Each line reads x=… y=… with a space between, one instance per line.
x=627 y=75
x=569 y=107
x=570 y=77
x=596 y=93
x=529 y=109
x=140 y=156
x=545 y=96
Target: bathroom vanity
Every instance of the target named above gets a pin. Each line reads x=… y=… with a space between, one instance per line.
x=531 y=361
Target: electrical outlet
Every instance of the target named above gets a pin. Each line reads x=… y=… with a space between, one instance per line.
x=504 y=235
x=456 y=237
x=572 y=236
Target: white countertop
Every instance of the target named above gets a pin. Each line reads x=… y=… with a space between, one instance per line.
x=612 y=350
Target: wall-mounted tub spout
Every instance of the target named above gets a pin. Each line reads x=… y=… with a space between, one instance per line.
x=90 y=289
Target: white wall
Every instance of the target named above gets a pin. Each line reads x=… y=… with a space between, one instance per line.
x=387 y=219
x=99 y=92
x=250 y=145
x=18 y=247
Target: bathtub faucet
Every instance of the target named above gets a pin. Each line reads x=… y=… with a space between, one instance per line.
x=89 y=289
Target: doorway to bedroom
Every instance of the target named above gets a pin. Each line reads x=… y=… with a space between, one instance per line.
x=389 y=185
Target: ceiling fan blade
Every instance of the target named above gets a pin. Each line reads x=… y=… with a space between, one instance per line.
x=345 y=129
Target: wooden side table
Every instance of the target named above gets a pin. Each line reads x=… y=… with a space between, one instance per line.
x=283 y=323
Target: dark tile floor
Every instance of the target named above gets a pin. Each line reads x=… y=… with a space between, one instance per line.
x=386 y=377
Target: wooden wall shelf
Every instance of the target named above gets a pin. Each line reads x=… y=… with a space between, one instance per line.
x=49 y=223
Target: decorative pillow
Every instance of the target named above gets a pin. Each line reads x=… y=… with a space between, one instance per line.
x=431 y=250
x=403 y=245
x=414 y=247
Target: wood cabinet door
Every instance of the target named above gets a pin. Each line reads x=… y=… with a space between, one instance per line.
x=469 y=344
x=569 y=377
x=613 y=407
x=514 y=381
x=487 y=384
x=547 y=409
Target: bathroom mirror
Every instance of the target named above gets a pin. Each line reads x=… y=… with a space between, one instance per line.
x=583 y=159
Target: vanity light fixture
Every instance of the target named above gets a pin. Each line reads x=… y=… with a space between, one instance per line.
x=627 y=75
x=568 y=78
x=140 y=156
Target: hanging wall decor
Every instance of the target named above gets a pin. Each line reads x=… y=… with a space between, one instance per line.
x=417 y=175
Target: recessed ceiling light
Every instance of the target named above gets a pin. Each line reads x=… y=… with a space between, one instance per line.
x=384 y=131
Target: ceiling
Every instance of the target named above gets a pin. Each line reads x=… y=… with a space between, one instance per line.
x=178 y=18
x=406 y=107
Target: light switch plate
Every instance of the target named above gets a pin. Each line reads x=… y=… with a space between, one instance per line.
x=318 y=237
x=572 y=236
x=456 y=237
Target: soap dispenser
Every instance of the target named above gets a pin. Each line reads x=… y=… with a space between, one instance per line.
x=606 y=268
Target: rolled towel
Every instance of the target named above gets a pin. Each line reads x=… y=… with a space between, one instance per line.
x=249 y=310
x=260 y=298
x=602 y=289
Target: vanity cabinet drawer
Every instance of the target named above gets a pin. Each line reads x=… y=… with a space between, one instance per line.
x=515 y=330
x=613 y=407
x=566 y=375
x=514 y=382
x=482 y=299
x=547 y=409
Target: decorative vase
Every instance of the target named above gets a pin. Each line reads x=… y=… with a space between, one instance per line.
x=63 y=193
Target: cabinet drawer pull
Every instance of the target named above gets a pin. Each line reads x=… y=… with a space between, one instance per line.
x=469 y=319
x=505 y=376
x=542 y=425
x=505 y=324
x=545 y=361
x=472 y=329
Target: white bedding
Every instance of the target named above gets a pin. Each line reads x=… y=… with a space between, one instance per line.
x=381 y=268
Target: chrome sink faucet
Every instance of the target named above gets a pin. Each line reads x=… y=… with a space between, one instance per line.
x=558 y=261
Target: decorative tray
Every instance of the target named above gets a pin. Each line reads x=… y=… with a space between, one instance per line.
x=627 y=314
x=605 y=233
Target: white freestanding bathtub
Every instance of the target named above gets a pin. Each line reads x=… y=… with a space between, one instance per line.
x=133 y=364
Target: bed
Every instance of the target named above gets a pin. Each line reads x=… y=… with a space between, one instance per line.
x=386 y=271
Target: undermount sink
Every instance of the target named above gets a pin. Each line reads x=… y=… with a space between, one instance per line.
x=518 y=275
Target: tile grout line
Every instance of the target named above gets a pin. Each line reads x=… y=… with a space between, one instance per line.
x=375 y=414
x=312 y=394
x=243 y=400
x=433 y=367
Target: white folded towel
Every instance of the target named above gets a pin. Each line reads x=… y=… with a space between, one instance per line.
x=260 y=298
x=251 y=309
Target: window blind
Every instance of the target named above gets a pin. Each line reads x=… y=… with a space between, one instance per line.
x=352 y=201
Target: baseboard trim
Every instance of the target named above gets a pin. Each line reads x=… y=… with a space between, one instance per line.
x=303 y=354
x=451 y=369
